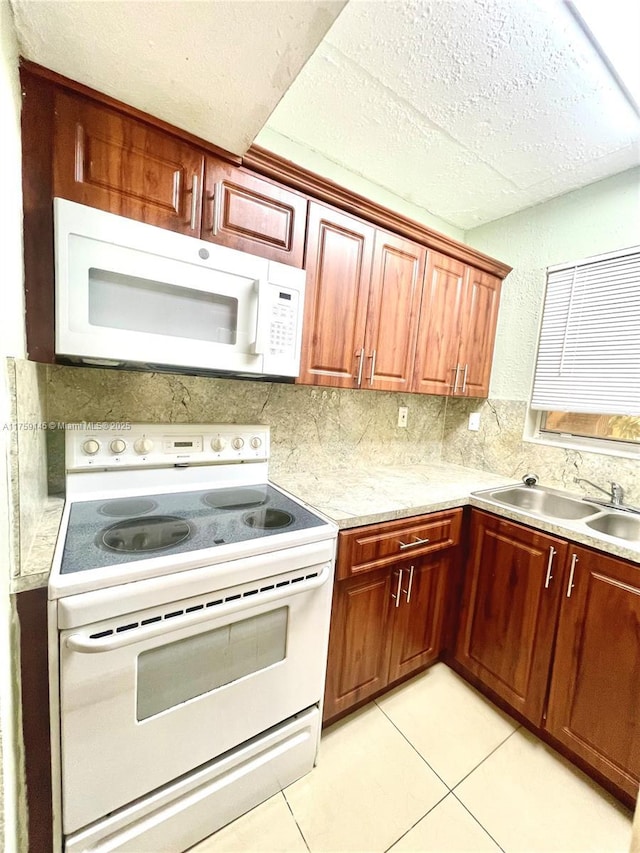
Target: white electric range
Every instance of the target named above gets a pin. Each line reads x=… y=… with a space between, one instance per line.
x=188 y=619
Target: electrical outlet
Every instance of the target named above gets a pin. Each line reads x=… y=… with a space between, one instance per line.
x=474 y=421
x=403 y=416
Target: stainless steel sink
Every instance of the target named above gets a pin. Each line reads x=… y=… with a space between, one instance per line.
x=617 y=524
x=543 y=502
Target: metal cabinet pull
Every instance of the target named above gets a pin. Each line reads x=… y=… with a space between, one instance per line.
x=404 y=545
x=373 y=366
x=552 y=553
x=215 y=209
x=408 y=590
x=396 y=597
x=194 y=201
x=360 y=358
x=570 y=585
x=455 y=381
x=464 y=379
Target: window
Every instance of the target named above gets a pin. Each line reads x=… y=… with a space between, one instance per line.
x=587 y=376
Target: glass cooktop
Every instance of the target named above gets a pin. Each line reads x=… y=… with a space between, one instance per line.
x=121 y=530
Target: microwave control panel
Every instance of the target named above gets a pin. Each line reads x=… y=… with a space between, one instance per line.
x=283 y=332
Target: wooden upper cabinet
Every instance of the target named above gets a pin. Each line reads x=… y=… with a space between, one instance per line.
x=338 y=261
x=478 y=332
x=511 y=600
x=392 y=318
x=108 y=160
x=457 y=329
x=594 y=703
x=243 y=211
x=439 y=326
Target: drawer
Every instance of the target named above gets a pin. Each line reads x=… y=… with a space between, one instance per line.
x=375 y=546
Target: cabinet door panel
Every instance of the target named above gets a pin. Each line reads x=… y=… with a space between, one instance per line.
x=508 y=618
x=339 y=254
x=249 y=213
x=113 y=162
x=418 y=618
x=358 y=659
x=439 y=326
x=394 y=301
x=478 y=332
x=594 y=704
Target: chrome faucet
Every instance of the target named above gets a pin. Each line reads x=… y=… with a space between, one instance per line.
x=616 y=495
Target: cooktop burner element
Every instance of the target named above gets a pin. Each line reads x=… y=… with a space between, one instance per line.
x=127 y=507
x=268 y=519
x=151 y=533
x=237 y=498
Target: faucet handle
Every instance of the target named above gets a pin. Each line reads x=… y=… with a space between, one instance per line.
x=617 y=492
x=530 y=479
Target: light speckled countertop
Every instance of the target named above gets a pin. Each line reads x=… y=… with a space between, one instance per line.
x=356 y=496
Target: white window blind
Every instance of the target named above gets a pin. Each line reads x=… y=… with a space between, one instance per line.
x=589 y=348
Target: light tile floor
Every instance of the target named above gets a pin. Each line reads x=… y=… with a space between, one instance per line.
x=432 y=767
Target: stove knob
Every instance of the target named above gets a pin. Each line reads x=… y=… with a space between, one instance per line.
x=237 y=443
x=118 y=446
x=218 y=444
x=91 y=446
x=143 y=445
x=256 y=442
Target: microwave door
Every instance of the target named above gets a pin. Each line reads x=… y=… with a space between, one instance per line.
x=134 y=306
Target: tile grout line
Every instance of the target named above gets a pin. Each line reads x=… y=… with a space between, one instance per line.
x=483 y=828
x=419 y=754
x=295 y=820
x=488 y=755
x=434 y=806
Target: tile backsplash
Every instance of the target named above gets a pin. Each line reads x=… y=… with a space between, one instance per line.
x=498 y=447
x=314 y=428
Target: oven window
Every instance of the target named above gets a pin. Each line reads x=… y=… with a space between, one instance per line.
x=176 y=672
x=119 y=301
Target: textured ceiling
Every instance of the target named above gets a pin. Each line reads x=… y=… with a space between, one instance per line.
x=212 y=67
x=466 y=109
x=471 y=109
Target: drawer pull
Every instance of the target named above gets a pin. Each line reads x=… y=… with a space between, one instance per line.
x=405 y=545
x=396 y=597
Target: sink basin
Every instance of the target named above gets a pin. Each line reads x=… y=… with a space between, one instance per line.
x=542 y=502
x=617 y=524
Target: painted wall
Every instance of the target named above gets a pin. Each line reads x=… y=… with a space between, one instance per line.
x=11 y=343
x=599 y=218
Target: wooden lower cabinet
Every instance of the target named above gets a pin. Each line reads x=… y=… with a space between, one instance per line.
x=554 y=630
x=509 y=611
x=594 y=703
x=388 y=613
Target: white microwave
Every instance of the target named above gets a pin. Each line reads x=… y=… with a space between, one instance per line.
x=134 y=294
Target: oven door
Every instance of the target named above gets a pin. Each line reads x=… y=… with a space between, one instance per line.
x=149 y=696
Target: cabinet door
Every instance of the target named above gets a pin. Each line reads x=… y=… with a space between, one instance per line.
x=418 y=614
x=246 y=212
x=107 y=160
x=511 y=600
x=436 y=361
x=478 y=332
x=594 y=704
x=358 y=660
x=392 y=317
x=339 y=254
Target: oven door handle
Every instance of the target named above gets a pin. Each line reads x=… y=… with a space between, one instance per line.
x=85 y=644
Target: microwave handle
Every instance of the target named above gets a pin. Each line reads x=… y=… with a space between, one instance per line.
x=263 y=319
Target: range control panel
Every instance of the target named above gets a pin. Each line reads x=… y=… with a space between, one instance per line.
x=124 y=445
